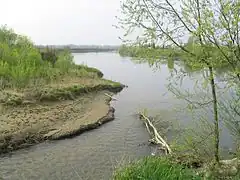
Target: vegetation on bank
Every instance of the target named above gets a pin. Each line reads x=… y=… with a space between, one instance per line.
x=161 y=168
x=45 y=95
x=212 y=29
x=57 y=92
x=141 y=51
x=22 y=66
x=155 y=168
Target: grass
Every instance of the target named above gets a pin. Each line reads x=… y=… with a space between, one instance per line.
x=164 y=168
x=22 y=64
x=90 y=70
x=45 y=94
x=55 y=93
x=155 y=168
x=28 y=73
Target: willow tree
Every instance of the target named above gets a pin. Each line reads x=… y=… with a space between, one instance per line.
x=214 y=25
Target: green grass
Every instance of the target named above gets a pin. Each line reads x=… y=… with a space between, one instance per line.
x=90 y=70
x=71 y=92
x=30 y=73
x=65 y=91
x=21 y=64
x=155 y=168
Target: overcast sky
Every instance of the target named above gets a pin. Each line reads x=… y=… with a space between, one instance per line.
x=63 y=21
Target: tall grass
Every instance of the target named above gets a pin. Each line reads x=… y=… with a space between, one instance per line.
x=155 y=168
x=21 y=64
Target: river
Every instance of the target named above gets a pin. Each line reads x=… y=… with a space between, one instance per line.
x=95 y=154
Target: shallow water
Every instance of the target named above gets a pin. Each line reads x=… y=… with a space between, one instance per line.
x=95 y=154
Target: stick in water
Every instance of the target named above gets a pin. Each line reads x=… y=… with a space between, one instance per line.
x=157 y=137
x=110 y=96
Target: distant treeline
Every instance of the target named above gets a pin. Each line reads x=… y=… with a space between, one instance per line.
x=81 y=48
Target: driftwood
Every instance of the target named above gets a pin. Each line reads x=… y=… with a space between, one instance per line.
x=157 y=139
x=110 y=96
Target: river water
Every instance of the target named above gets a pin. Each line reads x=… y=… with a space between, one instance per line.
x=95 y=154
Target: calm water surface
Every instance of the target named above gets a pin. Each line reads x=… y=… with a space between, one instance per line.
x=95 y=154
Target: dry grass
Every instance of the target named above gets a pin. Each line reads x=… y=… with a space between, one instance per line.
x=68 y=88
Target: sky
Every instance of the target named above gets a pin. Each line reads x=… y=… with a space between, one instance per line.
x=63 y=21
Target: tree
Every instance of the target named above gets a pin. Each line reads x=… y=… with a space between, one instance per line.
x=213 y=24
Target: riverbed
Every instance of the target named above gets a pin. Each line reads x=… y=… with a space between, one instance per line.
x=95 y=154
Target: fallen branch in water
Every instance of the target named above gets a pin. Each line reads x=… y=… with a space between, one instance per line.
x=157 y=139
x=110 y=96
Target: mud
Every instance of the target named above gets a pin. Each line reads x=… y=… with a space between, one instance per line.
x=26 y=125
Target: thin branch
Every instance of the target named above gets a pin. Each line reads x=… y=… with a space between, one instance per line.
x=156 y=22
x=176 y=13
x=160 y=7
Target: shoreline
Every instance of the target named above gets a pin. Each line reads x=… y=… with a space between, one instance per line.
x=31 y=124
x=103 y=120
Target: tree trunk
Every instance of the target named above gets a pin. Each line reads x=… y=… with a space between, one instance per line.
x=215 y=114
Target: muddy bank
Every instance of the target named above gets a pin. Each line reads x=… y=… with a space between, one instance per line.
x=24 y=125
x=67 y=89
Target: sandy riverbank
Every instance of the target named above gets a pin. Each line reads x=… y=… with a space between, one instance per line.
x=54 y=112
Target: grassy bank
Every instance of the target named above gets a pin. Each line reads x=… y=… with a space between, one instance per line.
x=155 y=168
x=159 y=168
x=22 y=65
x=45 y=95
x=191 y=157
x=67 y=89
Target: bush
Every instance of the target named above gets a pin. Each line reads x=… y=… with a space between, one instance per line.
x=20 y=61
x=155 y=168
x=23 y=65
x=65 y=61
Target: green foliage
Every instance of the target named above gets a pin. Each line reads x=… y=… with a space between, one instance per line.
x=19 y=60
x=23 y=65
x=89 y=70
x=50 y=56
x=148 y=52
x=154 y=55
x=155 y=168
x=65 y=61
x=195 y=143
x=212 y=28
x=213 y=31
